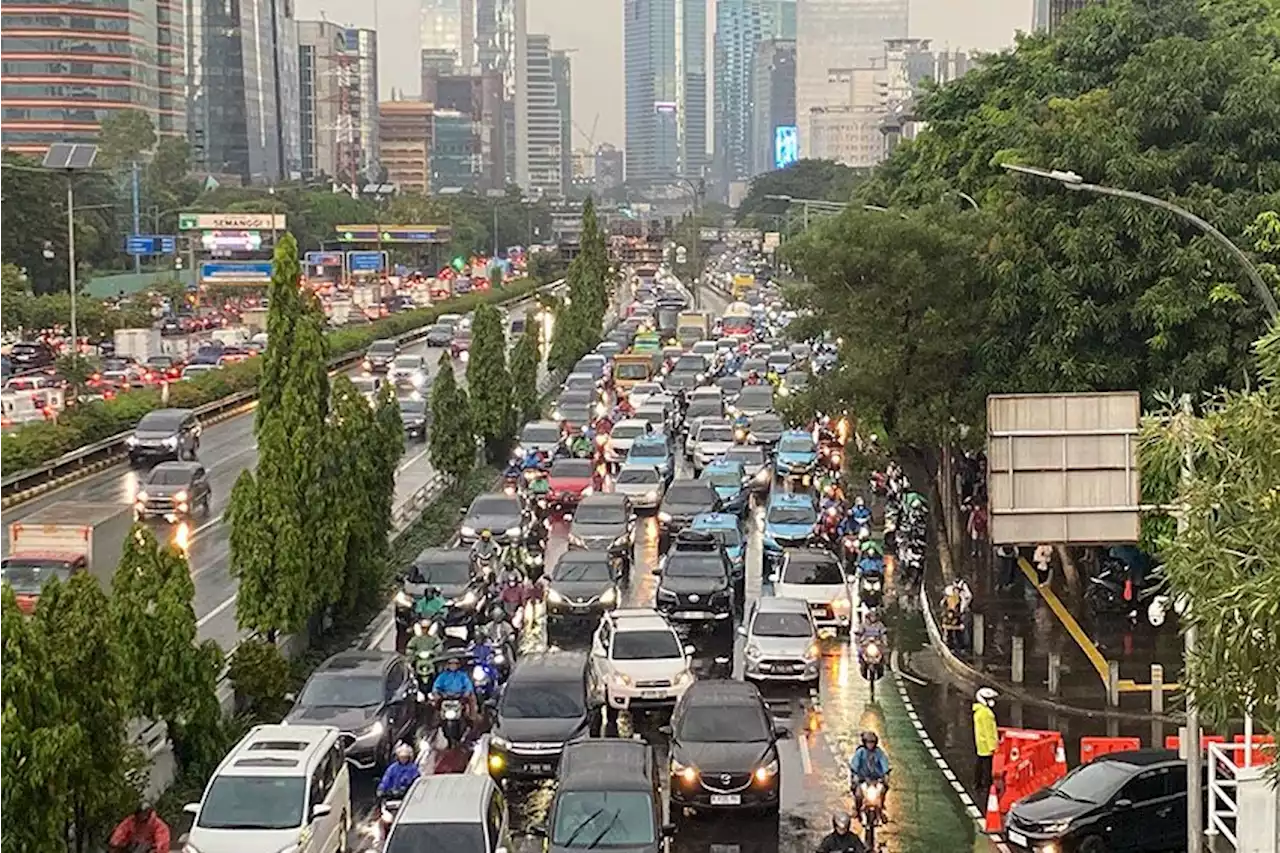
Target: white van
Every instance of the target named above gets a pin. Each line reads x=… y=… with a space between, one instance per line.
x=280 y=788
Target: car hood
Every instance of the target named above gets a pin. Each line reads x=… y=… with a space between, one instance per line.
x=1044 y=806
x=781 y=647
x=635 y=488
x=713 y=446
x=154 y=435
x=788 y=531
x=164 y=490
x=496 y=523
x=690 y=585
x=599 y=535
x=346 y=719
x=581 y=591
x=727 y=491
x=413 y=420
x=652 y=669
x=549 y=730
x=713 y=757
x=571 y=484
x=813 y=592
x=797 y=455
x=661 y=462
x=679 y=510
x=380 y=359
x=767 y=436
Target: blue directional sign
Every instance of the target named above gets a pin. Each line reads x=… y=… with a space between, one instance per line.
x=359 y=262
x=151 y=244
x=236 y=272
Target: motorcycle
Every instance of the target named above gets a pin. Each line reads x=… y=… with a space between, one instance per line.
x=871 y=793
x=871 y=589
x=457 y=628
x=872 y=664
x=453 y=720
x=1112 y=591
x=388 y=805
x=485 y=558
x=485 y=673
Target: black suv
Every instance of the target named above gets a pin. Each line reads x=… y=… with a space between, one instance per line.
x=378 y=358
x=164 y=434
x=724 y=750
x=606 y=522
x=31 y=355
x=696 y=588
x=608 y=795
x=448 y=570
x=704 y=542
x=683 y=500
x=549 y=701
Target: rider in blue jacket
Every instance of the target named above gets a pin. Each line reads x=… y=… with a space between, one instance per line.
x=869 y=764
x=400 y=774
x=455 y=681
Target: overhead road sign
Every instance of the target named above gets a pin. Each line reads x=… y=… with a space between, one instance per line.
x=743 y=235
x=1063 y=468
x=366 y=262
x=252 y=273
x=709 y=235
x=231 y=241
x=231 y=221
x=151 y=244
x=394 y=233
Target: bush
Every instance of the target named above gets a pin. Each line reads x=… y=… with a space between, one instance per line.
x=83 y=424
x=259 y=674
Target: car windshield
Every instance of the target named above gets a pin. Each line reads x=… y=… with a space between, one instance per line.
x=576 y=398
x=792 y=515
x=548 y=700
x=625 y=431
x=648 y=451
x=812 y=571
x=576 y=412
x=639 y=475
x=581 y=570
x=690 y=364
x=455 y=837
x=781 y=625
x=160 y=361
x=495 y=505
x=158 y=422
x=632 y=370
x=439 y=329
x=732 y=384
x=28 y=577
x=730 y=537
x=409 y=361
x=575 y=383
x=1096 y=782
x=540 y=434
x=646 y=645
x=587 y=820
x=746 y=455
x=755 y=397
x=716 y=433
x=413 y=407
x=253 y=802
x=694 y=564
x=590 y=512
x=572 y=468
x=691 y=493
x=161 y=476
x=796 y=444
x=445 y=572
x=382 y=348
x=342 y=690
x=721 y=723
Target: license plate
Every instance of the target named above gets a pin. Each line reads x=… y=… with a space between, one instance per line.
x=538 y=768
x=457 y=631
x=726 y=799
x=1018 y=838
x=651 y=694
x=693 y=614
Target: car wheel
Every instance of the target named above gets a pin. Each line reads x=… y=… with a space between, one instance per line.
x=1093 y=844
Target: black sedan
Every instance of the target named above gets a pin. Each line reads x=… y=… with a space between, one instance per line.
x=413 y=414
x=501 y=514
x=605 y=522
x=684 y=500
x=581 y=587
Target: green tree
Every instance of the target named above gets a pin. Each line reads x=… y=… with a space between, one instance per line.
x=579 y=322
x=85 y=649
x=524 y=375
x=39 y=738
x=452 y=435
x=823 y=180
x=283 y=549
x=170 y=677
x=390 y=435
x=489 y=383
x=124 y=136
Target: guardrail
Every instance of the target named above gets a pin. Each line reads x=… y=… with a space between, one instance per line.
x=109 y=450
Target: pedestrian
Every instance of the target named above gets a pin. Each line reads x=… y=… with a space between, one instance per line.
x=986 y=737
x=1006 y=566
x=1043 y=559
x=977 y=527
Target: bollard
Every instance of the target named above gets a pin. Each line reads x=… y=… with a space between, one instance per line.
x=1113 y=683
x=1055 y=673
x=1157 y=688
x=1018 y=659
x=979 y=634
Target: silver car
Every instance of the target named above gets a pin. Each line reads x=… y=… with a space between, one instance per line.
x=781 y=641
x=714 y=439
x=644 y=484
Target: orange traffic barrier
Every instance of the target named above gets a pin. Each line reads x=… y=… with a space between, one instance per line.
x=1095 y=747
x=1264 y=748
x=1028 y=761
x=1174 y=742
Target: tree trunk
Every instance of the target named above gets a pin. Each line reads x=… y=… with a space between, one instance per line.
x=1070 y=573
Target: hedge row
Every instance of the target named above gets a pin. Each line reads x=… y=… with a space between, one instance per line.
x=35 y=443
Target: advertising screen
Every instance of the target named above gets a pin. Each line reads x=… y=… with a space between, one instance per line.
x=786 y=146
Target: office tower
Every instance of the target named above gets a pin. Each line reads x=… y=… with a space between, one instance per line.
x=609 y=169
x=404 y=144
x=328 y=103
x=449 y=25
x=539 y=162
x=1049 y=14
x=480 y=97
x=666 y=90
x=833 y=35
x=740 y=26
x=69 y=65
x=499 y=25
x=562 y=77
x=362 y=44
x=455 y=157
x=773 y=88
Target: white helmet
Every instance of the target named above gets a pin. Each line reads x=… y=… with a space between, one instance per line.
x=987 y=696
x=404 y=752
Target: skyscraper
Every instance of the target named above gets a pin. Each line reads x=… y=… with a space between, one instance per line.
x=833 y=35
x=362 y=44
x=773 y=99
x=539 y=163
x=450 y=25
x=562 y=77
x=498 y=23
x=328 y=111
x=740 y=26
x=666 y=89
x=1049 y=14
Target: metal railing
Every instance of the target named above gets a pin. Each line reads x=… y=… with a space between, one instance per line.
x=109 y=448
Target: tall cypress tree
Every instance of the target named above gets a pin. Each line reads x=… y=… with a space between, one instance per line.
x=283 y=548
x=489 y=383
x=452 y=438
x=524 y=375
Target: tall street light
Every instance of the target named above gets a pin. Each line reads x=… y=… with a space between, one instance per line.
x=1072 y=181
x=71 y=158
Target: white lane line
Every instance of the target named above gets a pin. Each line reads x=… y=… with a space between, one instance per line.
x=376 y=640
x=202 y=528
x=934 y=754
x=412 y=459
x=200 y=623
x=806 y=761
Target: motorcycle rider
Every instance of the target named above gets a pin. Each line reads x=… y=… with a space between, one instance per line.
x=514 y=559
x=485 y=549
x=842 y=838
x=422 y=650
x=581 y=446
x=869 y=764
x=141 y=830
x=456 y=681
x=400 y=774
x=871 y=630
x=430 y=604
x=858 y=516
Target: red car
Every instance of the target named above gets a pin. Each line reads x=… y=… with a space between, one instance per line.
x=571 y=480
x=161 y=368
x=461 y=346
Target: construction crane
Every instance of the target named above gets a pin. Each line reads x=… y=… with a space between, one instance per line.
x=589 y=137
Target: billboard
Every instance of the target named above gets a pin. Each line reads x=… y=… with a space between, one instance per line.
x=786 y=146
x=252 y=273
x=231 y=222
x=366 y=262
x=394 y=233
x=231 y=241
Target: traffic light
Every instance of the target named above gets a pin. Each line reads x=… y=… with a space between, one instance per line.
x=459 y=262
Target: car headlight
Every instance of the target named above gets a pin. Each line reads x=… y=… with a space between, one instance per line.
x=574 y=539
x=171 y=442
x=512 y=532
x=767 y=771
x=622 y=678
x=374 y=732
x=838 y=604
x=131 y=441
x=687 y=772
x=517 y=452
x=651 y=495
x=609 y=597
x=554 y=597
x=468 y=531
x=667 y=595
x=753 y=652
x=621 y=542
x=683 y=678
x=1055 y=828
x=499 y=741
x=403 y=599
x=664 y=517
x=478 y=675
x=141 y=497
x=811 y=653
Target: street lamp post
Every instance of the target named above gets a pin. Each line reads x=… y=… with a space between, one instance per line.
x=71 y=158
x=697 y=189
x=1072 y=181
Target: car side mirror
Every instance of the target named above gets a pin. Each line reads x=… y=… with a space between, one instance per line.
x=191 y=808
x=742 y=630
x=782 y=733
x=320 y=810
x=291 y=697
x=690 y=649
x=1123 y=803
x=655 y=571
x=539 y=830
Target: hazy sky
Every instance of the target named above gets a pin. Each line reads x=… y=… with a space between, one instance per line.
x=593 y=28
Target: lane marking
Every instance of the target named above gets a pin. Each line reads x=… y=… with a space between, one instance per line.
x=200 y=623
x=412 y=459
x=806 y=761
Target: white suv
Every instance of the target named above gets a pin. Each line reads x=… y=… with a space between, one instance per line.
x=713 y=440
x=639 y=659
x=624 y=435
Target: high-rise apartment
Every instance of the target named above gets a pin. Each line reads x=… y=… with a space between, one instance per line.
x=69 y=65
x=455 y=158
x=562 y=77
x=1049 y=14
x=499 y=25
x=833 y=35
x=405 y=143
x=609 y=168
x=741 y=25
x=665 y=57
x=362 y=44
x=540 y=165
x=773 y=99
x=327 y=94
x=449 y=25
x=478 y=96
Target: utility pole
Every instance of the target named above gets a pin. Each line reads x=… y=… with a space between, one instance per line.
x=1195 y=815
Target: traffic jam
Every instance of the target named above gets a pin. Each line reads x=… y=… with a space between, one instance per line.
x=625 y=644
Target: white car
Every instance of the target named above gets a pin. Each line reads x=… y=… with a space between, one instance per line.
x=714 y=439
x=640 y=660
x=644 y=484
x=623 y=435
x=409 y=370
x=642 y=391
x=814 y=575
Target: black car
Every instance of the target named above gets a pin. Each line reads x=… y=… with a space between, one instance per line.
x=683 y=500
x=677 y=382
x=164 y=434
x=31 y=355
x=581 y=586
x=706 y=542
x=697 y=588
x=767 y=429
x=174 y=491
x=605 y=522
x=575 y=415
x=550 y=700
x=503 y=515
x=379 y=355
x=755 y=463
x=608 y=795
x=448 y=570
x=724 y=750
x=413 y=414
x=439 y=335
x=1121 y=802
x=370 y=696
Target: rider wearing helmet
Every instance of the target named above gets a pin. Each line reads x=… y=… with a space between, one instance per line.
x=985 y=736
x=430 y=604
x=455 y=681
x=868 y=764
x=485 y=548
x=580 y=447
x=141 y=830
x=842 y=838
x=871 y=630
x=400 y=774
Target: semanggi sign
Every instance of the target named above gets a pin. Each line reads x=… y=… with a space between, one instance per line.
x=231 y=221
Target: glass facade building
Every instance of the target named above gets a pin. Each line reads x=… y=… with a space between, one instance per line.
x=773 y=99
x=455 y=162
x=450 y=25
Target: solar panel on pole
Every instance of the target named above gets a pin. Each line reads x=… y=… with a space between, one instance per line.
x=82 y=156
x=58 y=155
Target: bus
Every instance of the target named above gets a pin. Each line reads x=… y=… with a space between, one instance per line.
x=742 y=282
x=739 y=320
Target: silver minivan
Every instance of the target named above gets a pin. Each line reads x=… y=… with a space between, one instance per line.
x=781 y=641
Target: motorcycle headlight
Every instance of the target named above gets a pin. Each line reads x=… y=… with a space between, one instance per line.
x=609 y=597
x=403 y=599
x=871 y=792
x=872 y=651
x=468 y=531
x=664 y=517
x=554 y=597
x=499 y=658
x=517 y=452
x=512 y=532
x=478 y=675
